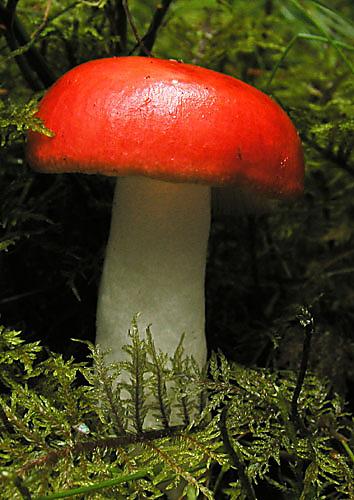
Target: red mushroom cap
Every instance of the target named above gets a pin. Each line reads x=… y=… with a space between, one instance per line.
x=167 y=120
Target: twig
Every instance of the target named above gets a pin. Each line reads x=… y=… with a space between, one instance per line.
x=44 y=21
x=122 y=26
x=8 y=20
x=237 y=461
x=18 y=41
x=149 y=38
x=306 y=320
x=117 y=18
x=134 y=29
x=87 y=446
x=11 y=5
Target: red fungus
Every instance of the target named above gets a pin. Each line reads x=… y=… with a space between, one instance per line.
x=171 y=121
x=174 y=129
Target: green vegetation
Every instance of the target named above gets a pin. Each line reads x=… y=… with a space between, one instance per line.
x=254 y=423
x=276 y=408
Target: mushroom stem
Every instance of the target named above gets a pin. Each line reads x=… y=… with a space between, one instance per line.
x=155 y=265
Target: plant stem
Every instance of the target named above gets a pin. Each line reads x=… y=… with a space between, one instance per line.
x=306 y=321
x=96 y=486
x=149 y=38
x=134 y=29
x=238 y=462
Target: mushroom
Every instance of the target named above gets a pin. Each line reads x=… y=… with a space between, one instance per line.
x=168 y=131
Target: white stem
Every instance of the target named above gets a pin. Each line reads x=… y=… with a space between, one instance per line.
x=155 y=265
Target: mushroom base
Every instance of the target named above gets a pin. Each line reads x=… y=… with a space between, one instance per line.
x=155 y=266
